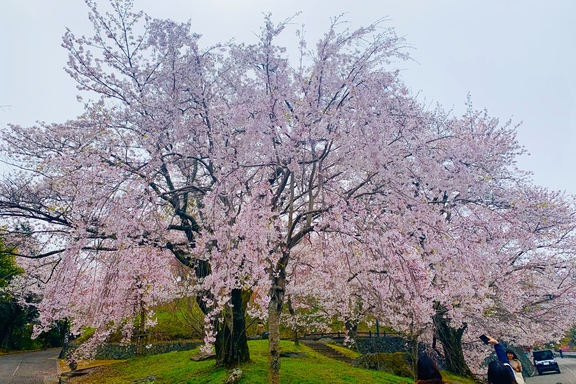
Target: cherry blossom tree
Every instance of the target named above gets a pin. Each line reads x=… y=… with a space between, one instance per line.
x=309 y=155
x=470 y=257
x=114 y=194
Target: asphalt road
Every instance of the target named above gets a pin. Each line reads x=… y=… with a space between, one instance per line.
x=30 y=367
x=568 y=375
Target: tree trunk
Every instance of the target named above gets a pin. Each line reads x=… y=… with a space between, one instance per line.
x=141 y=337
x=296 y=339
x=231 y=341
x=293 y=314
x=352 y=329
x=274 y=311
x=413 y=348
x=451 y=339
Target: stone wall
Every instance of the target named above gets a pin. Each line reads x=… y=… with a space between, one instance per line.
x=381 y=344
x=116 y=351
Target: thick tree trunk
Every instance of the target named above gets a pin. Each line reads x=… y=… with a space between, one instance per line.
x=231 y=341
x=274 y=311
x=451 y=339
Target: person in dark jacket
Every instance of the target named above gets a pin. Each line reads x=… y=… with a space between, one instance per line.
x=500 y=372
x=427 y=371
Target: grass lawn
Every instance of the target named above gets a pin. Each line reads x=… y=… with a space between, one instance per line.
x=176 y=367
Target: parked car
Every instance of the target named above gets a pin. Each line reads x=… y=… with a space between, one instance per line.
x=544 y=361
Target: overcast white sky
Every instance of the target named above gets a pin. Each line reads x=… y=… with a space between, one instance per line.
x=517 y=58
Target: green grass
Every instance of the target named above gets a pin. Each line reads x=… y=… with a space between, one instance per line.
x=451 y=378
x=176 y=367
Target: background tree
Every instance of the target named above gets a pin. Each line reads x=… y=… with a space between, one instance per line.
x=8 y=267
x=21 y=290
x=8 y=308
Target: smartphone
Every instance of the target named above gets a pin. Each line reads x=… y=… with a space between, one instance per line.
x=484 y=338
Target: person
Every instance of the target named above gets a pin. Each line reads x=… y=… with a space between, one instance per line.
x=561 y=353
x=500 y=372
x=427 y=371
x=260 y=328
x=516 y=366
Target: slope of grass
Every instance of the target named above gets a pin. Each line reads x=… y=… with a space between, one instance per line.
x=176 y=367
x=451 y=378
x=310 y=368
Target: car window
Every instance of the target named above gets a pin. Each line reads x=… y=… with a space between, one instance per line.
x=543 y=355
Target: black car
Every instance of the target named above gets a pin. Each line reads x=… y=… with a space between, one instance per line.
x=544 y=361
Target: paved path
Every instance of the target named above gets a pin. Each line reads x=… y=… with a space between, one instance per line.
x=30 y=367
x=568 y=375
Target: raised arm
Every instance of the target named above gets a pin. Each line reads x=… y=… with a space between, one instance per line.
x=501 y=353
